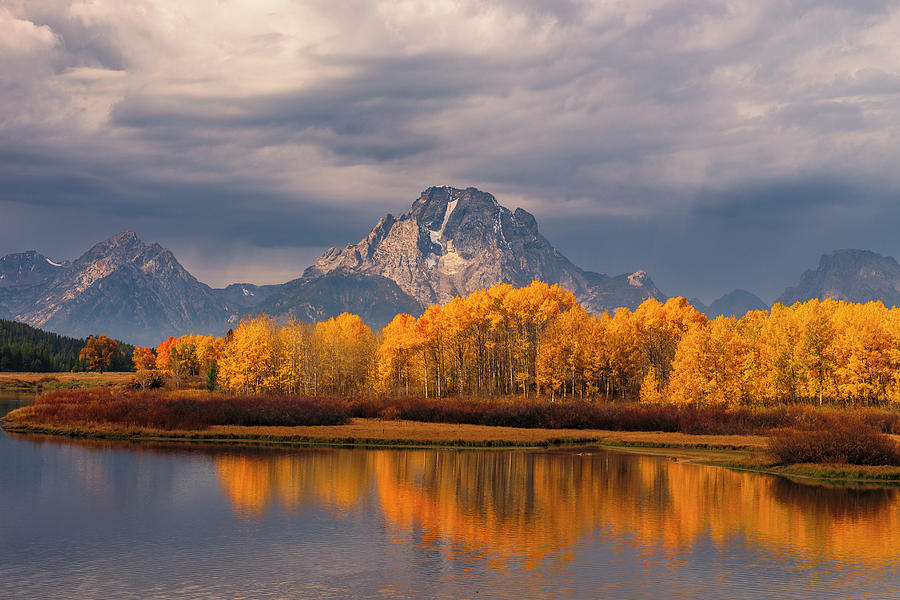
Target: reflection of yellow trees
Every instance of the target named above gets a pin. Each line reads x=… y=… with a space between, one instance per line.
x=255 y=483
x=529 y=503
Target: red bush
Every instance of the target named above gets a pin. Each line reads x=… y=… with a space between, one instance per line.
x=164 y=410
x=851 y=441
x=614 y=416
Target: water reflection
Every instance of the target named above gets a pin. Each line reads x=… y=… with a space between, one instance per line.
x=118 y=520
x=523 y=503
x=255 y=482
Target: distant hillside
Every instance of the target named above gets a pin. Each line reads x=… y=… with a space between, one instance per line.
x=737 y=303
x=25 y=348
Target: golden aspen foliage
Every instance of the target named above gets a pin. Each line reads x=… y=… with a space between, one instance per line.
x=430 y=331
x=345 y=350
x=538 y=341
x=247 y=361
x=293 y=354
x=650 y=393
x=396 y=353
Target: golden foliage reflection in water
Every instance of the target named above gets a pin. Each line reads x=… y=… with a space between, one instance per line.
x=526 y=503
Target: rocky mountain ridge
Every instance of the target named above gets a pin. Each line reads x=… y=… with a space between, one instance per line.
x=451 y=242
x=850 y=275
x=454 y=241
x=122 y=287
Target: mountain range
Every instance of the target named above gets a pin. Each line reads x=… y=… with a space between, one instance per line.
x=451 y=242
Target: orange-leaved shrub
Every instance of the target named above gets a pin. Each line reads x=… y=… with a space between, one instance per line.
x=848 y=441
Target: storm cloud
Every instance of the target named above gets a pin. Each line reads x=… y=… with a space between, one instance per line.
x=715 y=144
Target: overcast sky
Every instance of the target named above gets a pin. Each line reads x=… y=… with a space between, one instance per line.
x=714 y=144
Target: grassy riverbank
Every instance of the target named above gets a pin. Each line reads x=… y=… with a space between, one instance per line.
x=196 y=416
x=399 y=433
x=46 y=382
x=744 y=452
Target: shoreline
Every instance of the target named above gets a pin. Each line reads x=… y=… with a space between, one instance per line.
x=737 y=452
x=374 y=432
x=33 y=382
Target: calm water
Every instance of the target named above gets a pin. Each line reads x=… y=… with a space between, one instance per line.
x=118 y=521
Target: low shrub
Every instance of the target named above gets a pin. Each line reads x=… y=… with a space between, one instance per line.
x=146 y=379
x=591 y=415
x=197 y=408
x=181 y=410
x=850 y=441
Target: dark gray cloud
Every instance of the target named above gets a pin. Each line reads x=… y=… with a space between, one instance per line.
x=715 y=144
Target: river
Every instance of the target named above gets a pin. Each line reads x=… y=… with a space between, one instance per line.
x=114 y=520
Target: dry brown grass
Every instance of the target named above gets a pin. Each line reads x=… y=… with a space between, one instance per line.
x=36 y=382
x=407 y=432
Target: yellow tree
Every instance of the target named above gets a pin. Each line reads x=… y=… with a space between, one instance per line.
x=395 y=354
x=816 y=346
x=430 y=330
x=183 y=361
x=461 y=325
x=650 y=393
x=595 y=346
x=345 y=346
x=625 y=361
x=660 y=328
x=247 y=361
x=530 y=310
x=291 y=357
x=709 y=364
x=562 y=354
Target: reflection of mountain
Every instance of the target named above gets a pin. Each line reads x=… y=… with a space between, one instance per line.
x=526 y=503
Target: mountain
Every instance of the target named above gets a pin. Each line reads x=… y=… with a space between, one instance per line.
x=375 y=298
x=454 y=241
x=22 y=276
x=851 y=275
x=451 y=242
x=240 y=296
x=27 y=268
x=121 y=287
x=737 y=303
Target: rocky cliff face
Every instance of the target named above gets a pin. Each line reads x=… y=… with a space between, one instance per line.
x=455 y=241
x=851 y=275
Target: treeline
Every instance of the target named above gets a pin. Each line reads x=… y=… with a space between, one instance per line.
x=26 y=348
x=537 y=341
